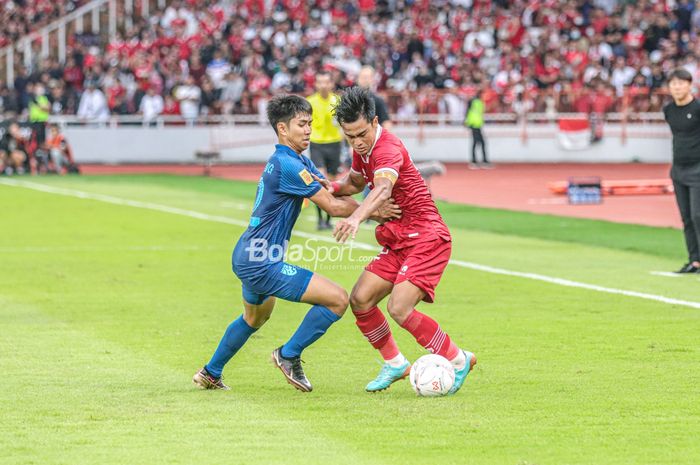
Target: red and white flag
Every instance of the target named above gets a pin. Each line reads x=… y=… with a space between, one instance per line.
x=574 y=134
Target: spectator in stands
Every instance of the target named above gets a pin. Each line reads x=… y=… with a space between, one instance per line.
x=196 y=69
x=73 y=75
x=188 y=96
x=60 y=103
x=14 y=156
x=151 y=106
x=9 y=102
x=512 y=47
x=217 y=69
x=170 y=106
x=209 y=103
x=19 y=17
x=231 y=92
x=93 y=104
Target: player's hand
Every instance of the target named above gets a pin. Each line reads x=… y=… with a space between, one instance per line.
x=389 y=210
x=324 y=182
x=346 y=228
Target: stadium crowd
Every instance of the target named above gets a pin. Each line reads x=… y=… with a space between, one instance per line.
x=203 y=57
x=20 y=17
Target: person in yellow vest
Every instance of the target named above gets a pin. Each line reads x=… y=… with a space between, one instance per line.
x=326 y=138
x=475 y=121
x=39 y=110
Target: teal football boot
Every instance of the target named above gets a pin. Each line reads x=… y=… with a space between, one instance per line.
x=461 y=375
x=388 y=375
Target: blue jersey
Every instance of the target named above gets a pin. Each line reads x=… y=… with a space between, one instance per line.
x=285 y=182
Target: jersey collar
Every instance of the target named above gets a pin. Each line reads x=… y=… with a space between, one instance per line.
x=286 y=149
x=376 y=138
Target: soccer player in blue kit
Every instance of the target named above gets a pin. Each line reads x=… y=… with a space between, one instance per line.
x=258 y=258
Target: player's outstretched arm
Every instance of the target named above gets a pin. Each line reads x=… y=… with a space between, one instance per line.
x=334 y=206
x=381 y=193
x=351 y=184
x=387 y=211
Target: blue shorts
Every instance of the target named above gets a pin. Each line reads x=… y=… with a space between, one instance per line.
x=280 y=279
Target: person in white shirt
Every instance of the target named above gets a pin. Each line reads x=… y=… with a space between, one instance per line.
x=93 y=104
x=217 y=69
x=151 y=106
x=231 y=92
x=189 y=95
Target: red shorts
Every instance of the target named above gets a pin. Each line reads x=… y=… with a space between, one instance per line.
x=421 y=264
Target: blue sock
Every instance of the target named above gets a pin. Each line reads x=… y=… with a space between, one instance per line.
x=315 y=324
x=235 y=336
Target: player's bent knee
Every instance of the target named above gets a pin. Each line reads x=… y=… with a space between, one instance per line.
x=340 y=301
x=363 y=298
x=398 y=311
x=359 y=301
x=256 y=320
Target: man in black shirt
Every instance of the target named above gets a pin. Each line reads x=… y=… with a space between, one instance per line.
x=683 y=116
x=365 y=78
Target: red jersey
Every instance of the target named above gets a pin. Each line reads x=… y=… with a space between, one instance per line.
x=420 y=221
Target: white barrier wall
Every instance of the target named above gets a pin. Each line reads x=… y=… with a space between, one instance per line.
x=251 y=143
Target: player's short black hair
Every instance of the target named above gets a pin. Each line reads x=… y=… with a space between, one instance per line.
x=680 y=73
x=323 y=72
x=355 y=103
x=285 y=107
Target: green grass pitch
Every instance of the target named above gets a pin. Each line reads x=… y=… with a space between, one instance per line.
x=106 y=311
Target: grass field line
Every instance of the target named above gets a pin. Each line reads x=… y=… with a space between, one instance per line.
x=360 y=245
x=666 y=274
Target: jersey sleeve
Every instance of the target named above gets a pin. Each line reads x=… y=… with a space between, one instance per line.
x=388 y=164
x=315 y=170
x=295 y=179
x=356 y=163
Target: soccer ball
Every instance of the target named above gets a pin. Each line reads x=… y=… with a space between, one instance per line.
x=432 y=376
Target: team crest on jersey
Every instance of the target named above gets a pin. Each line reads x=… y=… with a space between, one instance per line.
x=289 y=270
x=306 y=177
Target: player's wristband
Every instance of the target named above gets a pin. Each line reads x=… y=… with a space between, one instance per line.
x=335 y=185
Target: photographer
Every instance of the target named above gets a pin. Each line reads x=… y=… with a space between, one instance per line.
x=13 y=151
x=60 y=152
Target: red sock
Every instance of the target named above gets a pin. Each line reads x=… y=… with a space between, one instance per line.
x=376 y=329
x=428 y=334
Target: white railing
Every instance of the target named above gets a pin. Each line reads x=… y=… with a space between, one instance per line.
x=73 y=22
x=429 y=119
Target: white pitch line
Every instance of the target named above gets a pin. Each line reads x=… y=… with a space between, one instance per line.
x=359 y=245
x=569 y=283
x=666 y=274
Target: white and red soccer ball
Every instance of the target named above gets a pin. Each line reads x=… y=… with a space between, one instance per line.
x=432 y=376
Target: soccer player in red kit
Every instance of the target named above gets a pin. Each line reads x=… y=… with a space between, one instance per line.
x=416 y=247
